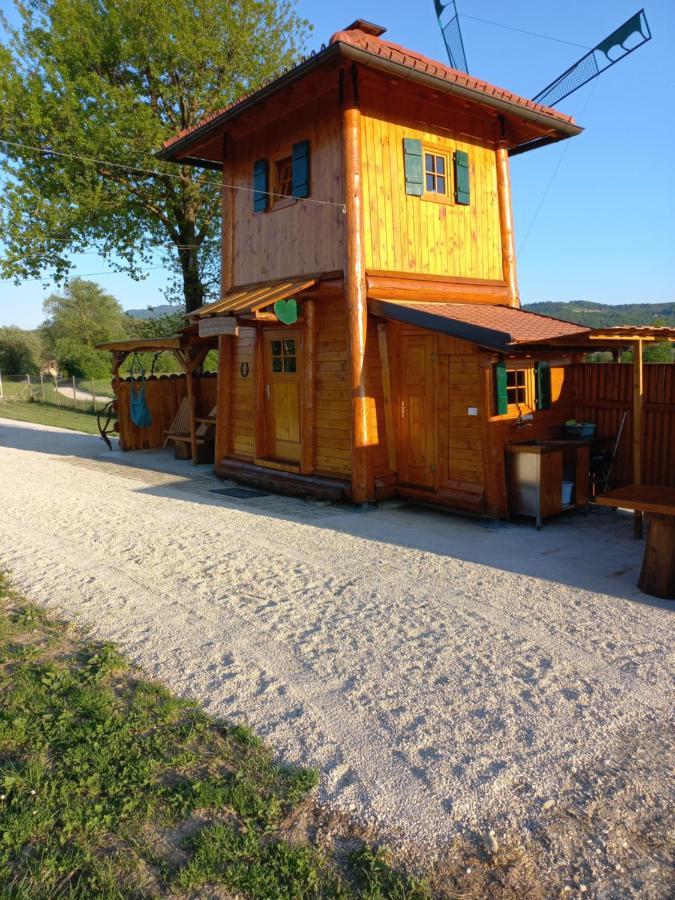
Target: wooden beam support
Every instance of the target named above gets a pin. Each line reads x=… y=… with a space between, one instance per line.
x=308 y=424
x=260 y=431
x=506 y=223
x=363 y=487
x=638 y=392
x=392 y=459
x=223 y=397
x=191 y=416
x=227 y=222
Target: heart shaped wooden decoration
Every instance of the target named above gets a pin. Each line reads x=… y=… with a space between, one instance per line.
x=286 y=311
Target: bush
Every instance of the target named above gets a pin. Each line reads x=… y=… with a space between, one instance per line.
x=81 y=360
x=19 y=351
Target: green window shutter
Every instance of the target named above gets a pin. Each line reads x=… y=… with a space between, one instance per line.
x=300 y=186
x=543 y=384
x=501 y=396
x=462 y=185
x=414 y=171
x=261 y=198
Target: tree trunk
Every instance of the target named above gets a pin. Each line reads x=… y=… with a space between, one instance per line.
x=188 y=254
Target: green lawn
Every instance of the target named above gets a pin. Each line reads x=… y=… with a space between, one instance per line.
x=46 y=414
x=112 y=787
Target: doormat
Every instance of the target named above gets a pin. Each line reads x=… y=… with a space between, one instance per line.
x=240 y=493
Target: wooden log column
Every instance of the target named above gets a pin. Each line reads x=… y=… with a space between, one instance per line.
x=657 y=576
x=223 y=397
x=308 y=426
x=638 y=392
x=227 y=223
x=506 y=224
x=362 y=484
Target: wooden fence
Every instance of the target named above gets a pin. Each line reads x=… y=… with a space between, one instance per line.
x=163 y=395
x=602 y=391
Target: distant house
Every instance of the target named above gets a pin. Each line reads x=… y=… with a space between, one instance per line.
x=370 y=336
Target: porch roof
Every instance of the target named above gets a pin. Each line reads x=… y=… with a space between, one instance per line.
x=499 y=328
x=139 y=345
x=254 y=297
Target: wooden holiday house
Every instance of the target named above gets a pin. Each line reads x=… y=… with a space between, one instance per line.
x=369 y=332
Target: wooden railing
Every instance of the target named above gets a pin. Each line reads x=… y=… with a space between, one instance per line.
x=603 y=391
x=163 y=395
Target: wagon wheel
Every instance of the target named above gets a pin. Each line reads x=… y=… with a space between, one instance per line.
x=104 y=419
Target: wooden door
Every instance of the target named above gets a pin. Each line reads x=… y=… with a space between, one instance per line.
x=417 y=428
x=282 y=393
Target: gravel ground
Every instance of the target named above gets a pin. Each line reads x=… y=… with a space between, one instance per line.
x=446 y=676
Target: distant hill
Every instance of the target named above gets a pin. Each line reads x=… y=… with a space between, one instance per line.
x=153 y=313
x=599 y=315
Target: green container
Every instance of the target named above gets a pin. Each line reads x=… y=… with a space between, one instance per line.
x=581 y=429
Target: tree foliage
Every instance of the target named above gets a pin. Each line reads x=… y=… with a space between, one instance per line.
x=78 y=318
x=20 y=351
x=112 y=81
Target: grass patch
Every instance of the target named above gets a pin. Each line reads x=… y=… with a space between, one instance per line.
x=46 y=414
x=112 y=787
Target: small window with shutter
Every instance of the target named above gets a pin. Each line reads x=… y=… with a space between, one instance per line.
x=517 y=390
x=462 y=178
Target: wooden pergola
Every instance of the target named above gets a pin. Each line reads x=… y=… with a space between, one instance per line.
x=614 y=339
x=189 y=350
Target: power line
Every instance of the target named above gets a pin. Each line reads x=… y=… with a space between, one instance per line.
x=546 y=37
x=48 y=151
x=553 y=174
x=88 y=274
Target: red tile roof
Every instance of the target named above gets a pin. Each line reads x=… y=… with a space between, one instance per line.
x=387 y=50
x=414 y=60
x=498 y=327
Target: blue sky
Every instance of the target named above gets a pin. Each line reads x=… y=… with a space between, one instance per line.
x=606 y=229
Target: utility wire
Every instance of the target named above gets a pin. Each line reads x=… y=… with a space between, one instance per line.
x=546 y=37
x=553 y=174
x=87 y=274
x=48 y=151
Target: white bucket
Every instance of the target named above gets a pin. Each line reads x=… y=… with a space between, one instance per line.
x=567 y=491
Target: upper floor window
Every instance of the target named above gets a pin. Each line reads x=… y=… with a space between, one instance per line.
x=283 y=179
x=436 y=173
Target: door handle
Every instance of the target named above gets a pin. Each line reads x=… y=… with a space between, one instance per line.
x=267 y=391
x=403 y=409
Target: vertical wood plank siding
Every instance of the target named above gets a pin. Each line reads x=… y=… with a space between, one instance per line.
x=410 y=234
x=604 y=390
x=242 y=413
x=302 y=236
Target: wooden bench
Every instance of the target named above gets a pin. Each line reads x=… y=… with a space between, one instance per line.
x=657 y=577
x=179 y=433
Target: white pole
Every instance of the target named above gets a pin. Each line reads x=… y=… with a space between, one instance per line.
x=42 y=387
x=30 y=387
x=74 y=392
x=93 y=394
x=56 y=390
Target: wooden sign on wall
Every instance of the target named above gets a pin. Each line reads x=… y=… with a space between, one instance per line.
x=218 y=325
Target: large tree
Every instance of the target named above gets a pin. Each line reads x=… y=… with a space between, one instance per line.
x=111 y=81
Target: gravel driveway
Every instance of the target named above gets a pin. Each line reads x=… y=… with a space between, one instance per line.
x=446 y=676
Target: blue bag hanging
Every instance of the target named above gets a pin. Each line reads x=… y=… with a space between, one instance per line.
x=140 y=414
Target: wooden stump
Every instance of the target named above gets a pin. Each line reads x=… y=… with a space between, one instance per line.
x=657 y=577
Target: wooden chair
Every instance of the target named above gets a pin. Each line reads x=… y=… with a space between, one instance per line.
x=179 y=433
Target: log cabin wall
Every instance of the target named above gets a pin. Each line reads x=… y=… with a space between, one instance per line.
x=294 y=237
x=333 y=434
x=412 y=234
x=243 y=394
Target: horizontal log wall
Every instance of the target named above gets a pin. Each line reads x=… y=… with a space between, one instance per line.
x=163 y=395
x=602 y=391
